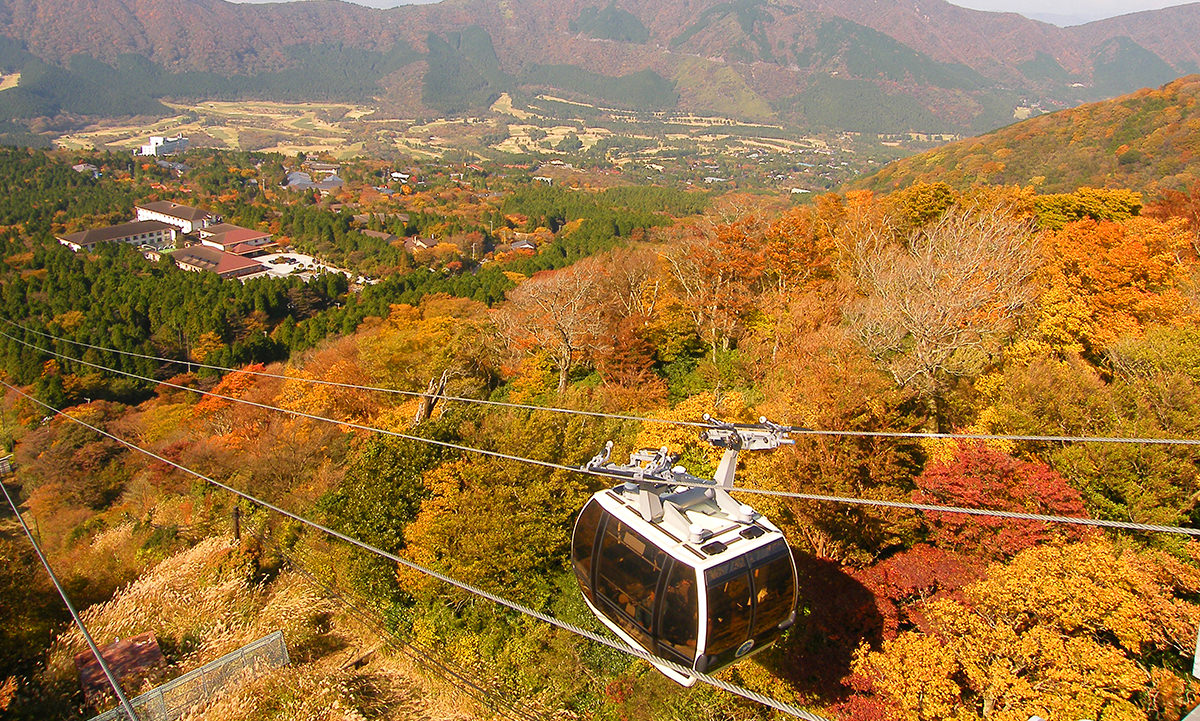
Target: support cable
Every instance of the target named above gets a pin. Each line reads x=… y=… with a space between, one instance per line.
x=112 y=679
x=844 y=500
x=797 y=430
x=615 y=645
x=370 y=619
x=349 y=386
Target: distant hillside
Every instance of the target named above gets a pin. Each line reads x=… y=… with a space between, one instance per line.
x=884 y=66
x=1147 y=140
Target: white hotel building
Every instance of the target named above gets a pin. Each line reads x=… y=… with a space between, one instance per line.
x=188 y=220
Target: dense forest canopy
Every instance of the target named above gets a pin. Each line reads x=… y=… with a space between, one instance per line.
x=993 y=309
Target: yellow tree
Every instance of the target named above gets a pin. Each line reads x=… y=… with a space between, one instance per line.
x=914 y=675
x=1077 y=631
x=444 y=345
x=1105 y=280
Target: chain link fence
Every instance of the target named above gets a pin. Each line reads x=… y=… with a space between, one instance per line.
x=175 y=698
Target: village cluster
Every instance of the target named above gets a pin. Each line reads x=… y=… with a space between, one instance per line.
x=196 y=240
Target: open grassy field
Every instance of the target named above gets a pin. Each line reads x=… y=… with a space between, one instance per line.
x=344 y=130
x=9 y=81
x=281 y=127
x=669 y=147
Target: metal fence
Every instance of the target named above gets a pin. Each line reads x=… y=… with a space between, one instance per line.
x=175 y=698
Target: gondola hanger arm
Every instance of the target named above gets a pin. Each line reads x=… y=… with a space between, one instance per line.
x=734 y=437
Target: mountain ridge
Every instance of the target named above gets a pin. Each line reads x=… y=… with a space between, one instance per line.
x=1145 y=140
x=967 y=69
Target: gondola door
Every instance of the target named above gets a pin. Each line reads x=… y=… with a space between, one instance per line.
x=678 y=615
x=629 y=573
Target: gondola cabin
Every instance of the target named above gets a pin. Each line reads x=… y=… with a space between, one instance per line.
x=685 y=573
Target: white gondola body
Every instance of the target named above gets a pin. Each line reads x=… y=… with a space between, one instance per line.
x=715 y=543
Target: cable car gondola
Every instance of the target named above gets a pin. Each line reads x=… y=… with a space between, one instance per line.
x=673 y=565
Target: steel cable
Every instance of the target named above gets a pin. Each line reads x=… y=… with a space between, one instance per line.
x=845 y=500
x=798 y=430
x=474 y=590
x=112 y=679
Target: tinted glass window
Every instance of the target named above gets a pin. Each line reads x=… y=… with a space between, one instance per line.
x=677 y=624
x=728 y=606
x=583 y=542
x=627 y=578
x=774 y=585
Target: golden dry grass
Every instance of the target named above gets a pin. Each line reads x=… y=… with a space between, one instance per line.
x=202 y=603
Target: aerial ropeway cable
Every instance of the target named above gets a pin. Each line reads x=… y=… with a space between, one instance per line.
x=687 y=615
x=797 y=430
x=631 y=650
x=122 y=699
x=842 y=500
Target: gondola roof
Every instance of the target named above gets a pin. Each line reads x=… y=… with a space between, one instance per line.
x=722 y=533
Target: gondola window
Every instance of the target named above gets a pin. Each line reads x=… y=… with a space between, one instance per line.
x=729 y=608
x=627 y=578
x=677 y=622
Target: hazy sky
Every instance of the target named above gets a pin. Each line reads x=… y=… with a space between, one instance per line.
x=1068 y=10
x=1062 y=12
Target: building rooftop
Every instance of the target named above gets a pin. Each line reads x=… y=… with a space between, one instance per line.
x=230 y=234
x=93 y=236
x=380 y=235
x=218 y=261
x=175 y=210
x=134 y=654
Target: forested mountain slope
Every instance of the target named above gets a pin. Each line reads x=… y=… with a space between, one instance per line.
x=1149 y=139
x=1049 y=314
x=891 y=66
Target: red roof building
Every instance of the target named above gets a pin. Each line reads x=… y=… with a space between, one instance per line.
x=233 y=238
x=227 y=265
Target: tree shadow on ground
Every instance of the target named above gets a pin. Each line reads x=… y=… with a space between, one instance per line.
x=836 y=613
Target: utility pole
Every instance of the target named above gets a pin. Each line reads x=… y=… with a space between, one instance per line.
x=237 y=521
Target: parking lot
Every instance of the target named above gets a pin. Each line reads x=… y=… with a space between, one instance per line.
x=281 y=265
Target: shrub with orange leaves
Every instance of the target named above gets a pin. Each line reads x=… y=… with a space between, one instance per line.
x=233 y=385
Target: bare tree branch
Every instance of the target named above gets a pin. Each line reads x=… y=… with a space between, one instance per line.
x=932 y=305
x=561 y=311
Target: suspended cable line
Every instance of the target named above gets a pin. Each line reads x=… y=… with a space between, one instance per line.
x=843 y=500
x=370 y=619
x=351 y=386
x=112 y=679
x=798 y=430
x=474 y=590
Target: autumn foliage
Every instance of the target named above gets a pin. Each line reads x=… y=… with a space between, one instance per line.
x=980 y=477
x=1051 y=634
x=997 y=311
